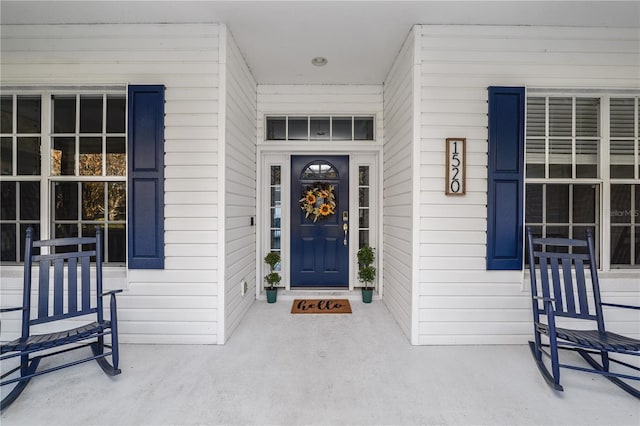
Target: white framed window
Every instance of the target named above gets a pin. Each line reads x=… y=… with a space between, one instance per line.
x=583 y=171
x=319 y=128
x=63 y=168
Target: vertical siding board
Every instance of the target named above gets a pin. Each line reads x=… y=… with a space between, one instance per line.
x=459 y=63
x=183 y=58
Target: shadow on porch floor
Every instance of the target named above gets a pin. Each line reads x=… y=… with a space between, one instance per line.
x=279 y=368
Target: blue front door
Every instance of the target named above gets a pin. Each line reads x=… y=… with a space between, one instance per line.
x=319 y=213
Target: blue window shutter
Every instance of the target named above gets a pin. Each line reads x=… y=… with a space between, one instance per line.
x=145 y=157
x=505 y=198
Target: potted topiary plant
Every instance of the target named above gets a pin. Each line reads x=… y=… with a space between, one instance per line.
x=366 y=272
x=272 y=278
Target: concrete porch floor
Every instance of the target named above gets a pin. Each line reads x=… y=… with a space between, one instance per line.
x=279 y=368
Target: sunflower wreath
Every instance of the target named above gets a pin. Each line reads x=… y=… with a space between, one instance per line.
x=318 y=200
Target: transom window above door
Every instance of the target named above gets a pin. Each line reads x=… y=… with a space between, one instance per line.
x=320 y=128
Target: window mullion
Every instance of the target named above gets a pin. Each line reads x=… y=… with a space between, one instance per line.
x=634 y=208
x=104 y=135
x=635 y=205
x=105 y=233
x=105 y=200
x=636 y=124
x=574 y=118
x=14 y=137
x=286 y=127
x=570 y=218
x=78 y=222
x=46 y=129
x=77 y=138
x=546 y=137
x=353 y=130
x=330 y=128
x=18 y=187
x=605 y=173
x=79 y=184
x=544 y=209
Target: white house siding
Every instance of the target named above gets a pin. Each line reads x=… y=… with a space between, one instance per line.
x=177 y=304
x=460 y=302
x=398 y=192
x=240 y=185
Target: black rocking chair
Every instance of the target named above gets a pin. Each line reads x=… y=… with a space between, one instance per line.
x=561 y=291
x=67 y=292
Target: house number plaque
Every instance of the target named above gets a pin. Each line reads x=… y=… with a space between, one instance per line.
x=456 y=166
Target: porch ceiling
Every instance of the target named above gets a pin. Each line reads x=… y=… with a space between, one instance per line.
x=360 y=39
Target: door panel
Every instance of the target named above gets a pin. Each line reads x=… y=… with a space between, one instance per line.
x=319 y=256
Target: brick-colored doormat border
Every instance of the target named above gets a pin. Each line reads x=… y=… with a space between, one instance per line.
x=321 y=306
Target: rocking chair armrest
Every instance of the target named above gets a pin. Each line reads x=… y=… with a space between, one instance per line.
x=549 y=304
x=544 y=299
x=19 y=308
x=616 y=305
x=111 y=292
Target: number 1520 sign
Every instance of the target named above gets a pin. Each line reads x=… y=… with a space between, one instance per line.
x=456 y=166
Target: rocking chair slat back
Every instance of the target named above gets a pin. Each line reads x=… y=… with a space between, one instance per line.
x=563 y=278
x=69 y=263
x=58 y=286
x=43 y=289
x=72 y=296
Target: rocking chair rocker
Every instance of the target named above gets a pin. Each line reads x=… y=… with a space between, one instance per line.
x=562 y=292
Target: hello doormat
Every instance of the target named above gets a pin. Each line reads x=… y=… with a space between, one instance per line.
x=321 y=306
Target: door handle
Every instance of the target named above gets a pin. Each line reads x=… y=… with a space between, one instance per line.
x=345 y=225
x=345 y=228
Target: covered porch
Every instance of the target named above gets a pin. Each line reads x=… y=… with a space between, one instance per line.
x=279 y=368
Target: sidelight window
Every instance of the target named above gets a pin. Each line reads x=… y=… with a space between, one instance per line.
x=364 y=207
x=275 y=211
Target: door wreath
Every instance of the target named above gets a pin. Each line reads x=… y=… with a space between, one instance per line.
x=318 y=200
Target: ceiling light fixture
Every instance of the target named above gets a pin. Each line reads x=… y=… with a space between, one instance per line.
x=319 y=61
